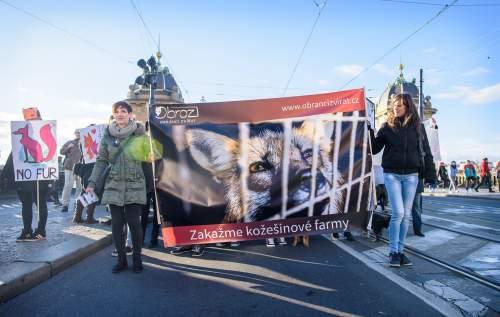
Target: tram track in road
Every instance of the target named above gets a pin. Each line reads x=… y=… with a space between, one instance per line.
x=472 y=216
x=487 y=237
x=450 y=266
x=478 y=236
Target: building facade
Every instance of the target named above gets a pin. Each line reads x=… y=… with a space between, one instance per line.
x=167 y=92
x=400 y=85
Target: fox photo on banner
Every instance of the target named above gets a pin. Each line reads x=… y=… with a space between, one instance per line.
x=255 y=169
x=90 y=139
x=34 y=150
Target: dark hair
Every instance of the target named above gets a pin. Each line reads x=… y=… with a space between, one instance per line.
x=411 y=116
x=121 y=104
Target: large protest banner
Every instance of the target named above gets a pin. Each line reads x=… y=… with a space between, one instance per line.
x=34 y=150
x=90 y=139
x=255 y=169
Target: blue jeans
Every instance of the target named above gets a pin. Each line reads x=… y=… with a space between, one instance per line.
x=401 y=191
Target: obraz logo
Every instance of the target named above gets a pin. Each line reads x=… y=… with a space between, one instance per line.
x=176 y=112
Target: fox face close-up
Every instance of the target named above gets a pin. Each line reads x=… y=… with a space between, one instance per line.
x=220 y=155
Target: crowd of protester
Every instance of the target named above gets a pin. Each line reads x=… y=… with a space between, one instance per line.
x=407 y=164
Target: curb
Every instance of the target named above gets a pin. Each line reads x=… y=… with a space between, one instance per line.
x=22 y=275
x=461 y=196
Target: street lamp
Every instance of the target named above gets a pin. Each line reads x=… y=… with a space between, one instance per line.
x=149 y=77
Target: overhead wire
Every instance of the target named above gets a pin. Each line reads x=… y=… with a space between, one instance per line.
x=495 y=4
x=74 y=35
x=305 y=45
x=144 y=23
x=446 y=7
x=145 y=38
x=157 y=45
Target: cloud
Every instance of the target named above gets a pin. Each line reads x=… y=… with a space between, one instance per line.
x=429 y=50
x=383 y=69
x=10 y=116
x=323 y=82
x=4 y=131
x=476 y=71
x=470 y=95
x=349 y=69
x=473 y=149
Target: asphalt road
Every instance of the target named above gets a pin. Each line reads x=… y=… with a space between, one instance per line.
x=251 y=280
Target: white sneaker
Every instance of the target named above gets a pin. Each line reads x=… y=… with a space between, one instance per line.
x=270 y=243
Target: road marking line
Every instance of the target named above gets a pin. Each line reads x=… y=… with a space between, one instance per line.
x=432 y=300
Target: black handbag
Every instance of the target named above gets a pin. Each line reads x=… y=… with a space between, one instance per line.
x=380 y=221
x=101 y=181
x=421 y=169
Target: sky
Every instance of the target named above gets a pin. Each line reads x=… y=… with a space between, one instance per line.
x=73 y=59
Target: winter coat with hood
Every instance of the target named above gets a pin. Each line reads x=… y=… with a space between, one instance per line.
x=125 y=183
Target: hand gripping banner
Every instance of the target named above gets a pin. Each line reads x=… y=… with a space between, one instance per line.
x=256 y=169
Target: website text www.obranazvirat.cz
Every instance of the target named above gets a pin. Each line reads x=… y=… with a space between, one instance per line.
x=321 y=104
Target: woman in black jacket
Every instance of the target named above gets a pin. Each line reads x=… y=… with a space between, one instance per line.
x=406 y=148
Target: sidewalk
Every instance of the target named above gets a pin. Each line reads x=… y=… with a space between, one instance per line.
x=482 y=194
x=24 y=265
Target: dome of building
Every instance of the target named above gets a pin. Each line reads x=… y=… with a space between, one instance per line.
x=400 y=85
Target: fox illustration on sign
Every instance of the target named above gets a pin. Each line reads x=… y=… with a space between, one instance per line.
x=90 y=139
x=32 y=148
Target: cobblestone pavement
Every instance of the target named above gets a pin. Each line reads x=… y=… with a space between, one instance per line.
x=59 y=228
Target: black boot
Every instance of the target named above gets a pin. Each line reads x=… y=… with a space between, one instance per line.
x=121 y=265
x=137 y=264
x=77 y=218
x=90 y=214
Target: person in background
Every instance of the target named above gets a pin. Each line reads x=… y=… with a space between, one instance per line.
x=125 y=187
x=470 y=175
x=150 y=201
x=453 y=175
x=281 y=241
x=29 y=193
x=443 y=175
x=405 y=144
x=71 y=151
x=83 y=171
x=380 y=191
x=53 y=193
x=416 y=209
x=498 y=175
x=485 y=175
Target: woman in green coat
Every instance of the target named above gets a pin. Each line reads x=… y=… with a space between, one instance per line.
x=125 y=187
